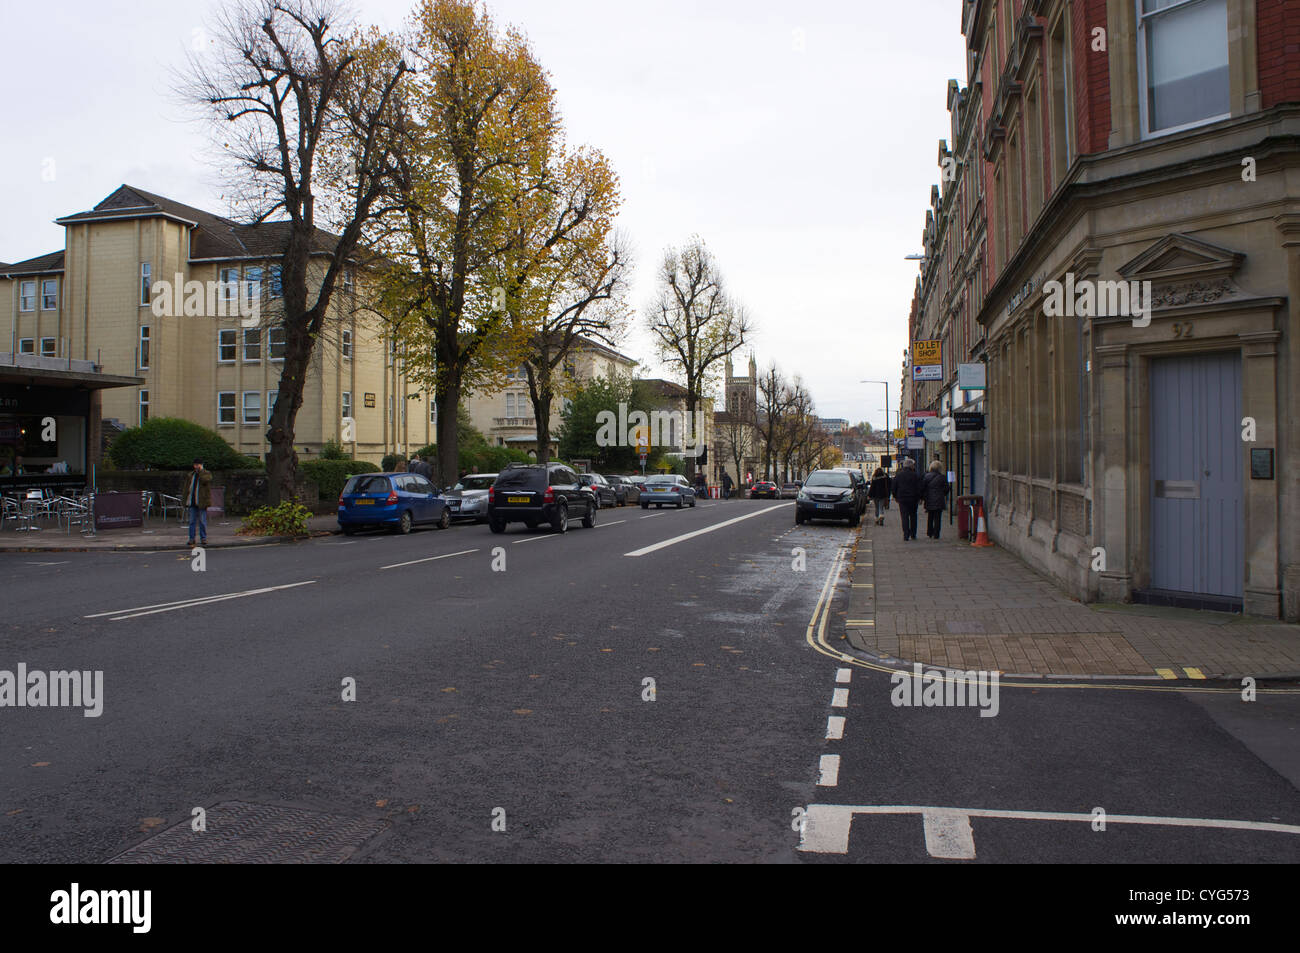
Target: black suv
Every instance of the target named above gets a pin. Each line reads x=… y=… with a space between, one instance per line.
x=535 y=493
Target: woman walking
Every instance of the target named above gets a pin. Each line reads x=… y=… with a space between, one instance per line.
x=879 y=494
x=935 y=490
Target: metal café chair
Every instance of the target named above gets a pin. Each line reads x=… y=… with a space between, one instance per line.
x=171 y=503
x=33 y=505
x=72 y=510
x=12 y=511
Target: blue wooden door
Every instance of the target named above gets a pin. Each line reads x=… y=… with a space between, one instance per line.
x=1196 y=475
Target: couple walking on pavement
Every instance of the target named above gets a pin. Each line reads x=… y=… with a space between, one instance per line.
x=911 y=489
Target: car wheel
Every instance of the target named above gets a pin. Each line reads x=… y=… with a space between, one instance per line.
x=560 y=522
x=645 y=506
x=444 y=521
x=798 y=518
x=496 y=525
x=854 y=519
x=679 y=502
x=692 y=502
x=590 y=519
x=404 y=524
x=349 y=531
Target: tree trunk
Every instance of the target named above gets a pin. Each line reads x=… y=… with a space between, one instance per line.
x=542 y=418
x=281 y=460
x=448 y=403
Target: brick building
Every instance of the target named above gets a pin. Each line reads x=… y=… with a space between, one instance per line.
x=1137 y=161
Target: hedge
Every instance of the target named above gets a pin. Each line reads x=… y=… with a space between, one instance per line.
x=172 y=443
x=330 y=475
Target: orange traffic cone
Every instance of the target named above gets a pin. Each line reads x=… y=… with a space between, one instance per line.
x=981 y=532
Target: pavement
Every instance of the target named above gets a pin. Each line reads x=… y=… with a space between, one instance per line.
x=948 y=604
x=157 y=533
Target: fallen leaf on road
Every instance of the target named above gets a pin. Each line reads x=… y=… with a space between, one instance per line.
x=607 y=650
x=12 y=813
x=149 y=823
x=382 y=802
x=523 y=711
x=449 y=689
x=41 y=764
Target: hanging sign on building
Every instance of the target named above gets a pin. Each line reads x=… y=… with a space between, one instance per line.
x=971 y=376
x=927 y=360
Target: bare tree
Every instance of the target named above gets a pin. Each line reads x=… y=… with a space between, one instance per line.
x=694 y=323
x=774 y=399
x=285 y=88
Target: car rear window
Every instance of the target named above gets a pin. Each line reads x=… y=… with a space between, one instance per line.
x=367 y=484
x=475 y=483
x=519 y=476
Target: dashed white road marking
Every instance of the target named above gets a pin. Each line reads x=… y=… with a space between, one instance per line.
x=651 y=516
x=830 y=771
x=117 y=614
x=699 y=532
x=61 y=562
x=835 y=727
x=533 y=539
x=615 y=523
x=827 y=827
x=840 y=698
x=429 y=559
x=844 y=675
x=949 y=835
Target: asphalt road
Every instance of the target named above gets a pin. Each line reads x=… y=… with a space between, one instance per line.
x=522 y=688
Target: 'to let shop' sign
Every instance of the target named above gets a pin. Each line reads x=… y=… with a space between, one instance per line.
x=927 y=360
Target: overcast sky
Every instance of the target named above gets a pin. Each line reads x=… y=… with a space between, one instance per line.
x=798 y=140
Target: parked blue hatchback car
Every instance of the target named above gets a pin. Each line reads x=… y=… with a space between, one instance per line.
x=399 y=501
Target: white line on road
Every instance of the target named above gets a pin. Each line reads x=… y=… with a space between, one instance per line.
x=827 y=828
x=949 y=835
x=699 y=532
x=652 y=516
x=190 y=603
x=429 y=559
x=844 y=675
x=840 y=698
x=61 y=562
x=615 y=523
x=533 y=539
x=830 y=771
x=835 y=726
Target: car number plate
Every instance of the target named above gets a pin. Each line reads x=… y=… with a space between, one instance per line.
x=519 y=499
x=825 y=506
x=364 y=502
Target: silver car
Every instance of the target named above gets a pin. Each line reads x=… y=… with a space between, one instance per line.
x=468 y=499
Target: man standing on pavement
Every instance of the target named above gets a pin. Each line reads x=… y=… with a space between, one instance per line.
x=907 y=490
x=726 y=485
x=198 y=497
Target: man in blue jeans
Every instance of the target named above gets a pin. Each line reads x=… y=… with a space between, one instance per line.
x=198 y=497
x=907 y=490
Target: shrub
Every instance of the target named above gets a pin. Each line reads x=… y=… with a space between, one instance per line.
x=333 y=450
x=172 y=443
x=390 y=462
x=283 y=519
x=330 y=475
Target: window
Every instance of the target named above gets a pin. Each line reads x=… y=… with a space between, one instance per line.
x=345 y=343
x=252 y=406
x=277 y=285
x=226 y=345
x=390 y=409
x=144 y=348
x=253 y=286
x=226 y=407
x=26 y=296
x=229 y=279
x=433 y=412
x=49 y=294
x=146 y=285
x=48 y=347
x=252 y=344
x=1182 y=62
x=275 y=343
x=27 y=345
x=144 y=406
x=347 y=403
x=349 y=280
x=510 y=405
x=392 y=351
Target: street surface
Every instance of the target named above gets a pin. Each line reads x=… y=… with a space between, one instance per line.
x=505 y=715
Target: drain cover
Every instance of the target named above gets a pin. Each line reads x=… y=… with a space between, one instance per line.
x=239 y=832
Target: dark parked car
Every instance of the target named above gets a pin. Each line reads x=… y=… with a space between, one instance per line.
x=396 y=500
x=827 y=495
x=672 y=488
x=764 y=489
x=605 y=494
x=861 y=487
x=625 y=488
x=468 y=498
x=790 y=490
x=535 y=493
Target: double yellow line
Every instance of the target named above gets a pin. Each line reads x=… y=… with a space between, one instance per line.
x=816 y=638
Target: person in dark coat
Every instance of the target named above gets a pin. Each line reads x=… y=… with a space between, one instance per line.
x=934 y=488
x=726 y=485
x=879 y=493
x=907 y=490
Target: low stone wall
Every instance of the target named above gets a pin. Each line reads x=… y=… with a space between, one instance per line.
x=245 y=489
